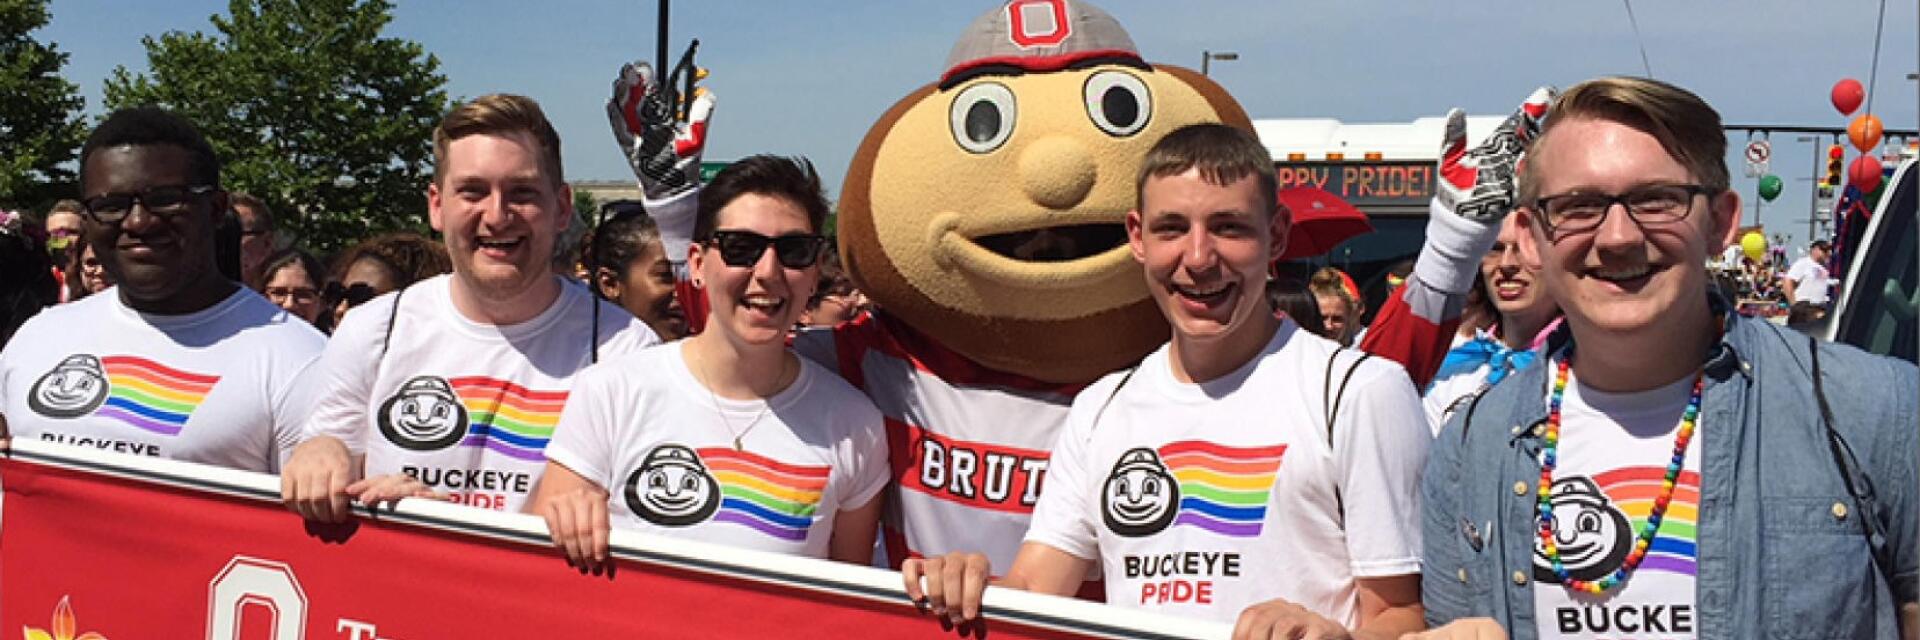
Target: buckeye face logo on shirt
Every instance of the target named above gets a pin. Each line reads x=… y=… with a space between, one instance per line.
x=1193 y=483
x=424 y=415
x=1141 y=496
x=75 y=387
x=1593 y=537
x=672 y=488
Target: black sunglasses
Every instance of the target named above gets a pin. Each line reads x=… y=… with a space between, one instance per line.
x=357 y=294
x=744 y=248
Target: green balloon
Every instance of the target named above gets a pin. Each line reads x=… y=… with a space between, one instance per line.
x=1769 y=187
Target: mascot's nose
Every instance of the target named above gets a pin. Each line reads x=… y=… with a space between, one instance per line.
x=1057 y=172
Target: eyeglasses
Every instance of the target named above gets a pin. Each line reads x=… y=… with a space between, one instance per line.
x=165 y=201
x=744 y=248
x=301 y=295
x=1575 y=213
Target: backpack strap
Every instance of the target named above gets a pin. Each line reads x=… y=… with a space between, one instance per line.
x=1331 y=396
x=393 y=315
x=1858 y=484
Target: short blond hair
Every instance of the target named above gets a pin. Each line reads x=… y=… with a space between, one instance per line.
x=498 y=114
x=1684 y=124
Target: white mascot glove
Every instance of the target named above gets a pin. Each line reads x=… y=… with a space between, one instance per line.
x=662 y=147
x=1476 y=190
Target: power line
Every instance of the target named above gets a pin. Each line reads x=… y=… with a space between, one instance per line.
x=1643 y=43
x=1873 y=76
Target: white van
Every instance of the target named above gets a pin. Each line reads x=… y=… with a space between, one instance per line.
x=1880 y=292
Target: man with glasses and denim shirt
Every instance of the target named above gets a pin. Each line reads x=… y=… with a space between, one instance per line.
x=1674 y=469
x=176 y=361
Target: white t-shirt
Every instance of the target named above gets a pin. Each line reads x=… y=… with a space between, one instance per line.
x=644 y=428
x=1202 y=499
x=1810 y=280
x=1448 y=394
x=1612 y=459
x=219 y=386
x=468 y=408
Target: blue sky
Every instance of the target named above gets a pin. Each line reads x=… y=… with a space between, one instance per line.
x=809 y=77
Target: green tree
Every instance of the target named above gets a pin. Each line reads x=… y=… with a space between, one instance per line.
x=309 y=108
x=40 y=125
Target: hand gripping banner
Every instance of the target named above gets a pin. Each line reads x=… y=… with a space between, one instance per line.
x=126 y=547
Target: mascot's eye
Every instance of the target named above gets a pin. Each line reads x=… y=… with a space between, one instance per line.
x=656 y=481
x=1118 y=102
x=440 y=411
x=690 y=483
x=1587 y=523
x=1150 y=487
x=982 y=117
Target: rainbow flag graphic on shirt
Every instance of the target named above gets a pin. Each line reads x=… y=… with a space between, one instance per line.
x=1633 y=491
x=508 y=418
x=150 y=395
x=1222 y=489
x=772 y=497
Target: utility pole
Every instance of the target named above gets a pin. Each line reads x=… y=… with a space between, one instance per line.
x=1813 y=203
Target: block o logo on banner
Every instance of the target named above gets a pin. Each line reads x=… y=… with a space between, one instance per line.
x=267 y=583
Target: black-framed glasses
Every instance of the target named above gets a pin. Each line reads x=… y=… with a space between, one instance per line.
x=164 y=201
x=1573 y=213
x=744 y=248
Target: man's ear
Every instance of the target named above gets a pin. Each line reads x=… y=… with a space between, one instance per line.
x=1532 y=234
x=1280 y=226
x=566 y=208
x=1134 y=236
x=1725 y=208
x=433 y=207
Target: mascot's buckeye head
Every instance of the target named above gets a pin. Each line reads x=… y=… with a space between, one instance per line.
x=987 y=210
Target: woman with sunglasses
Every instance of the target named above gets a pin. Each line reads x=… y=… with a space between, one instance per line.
x=380 y=265
x=726 y=436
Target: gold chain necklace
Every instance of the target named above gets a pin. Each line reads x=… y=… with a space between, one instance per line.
x=739 y=435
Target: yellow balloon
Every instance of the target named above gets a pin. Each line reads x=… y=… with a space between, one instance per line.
x=1754 y=245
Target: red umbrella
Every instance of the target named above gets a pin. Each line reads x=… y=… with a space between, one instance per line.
x=1321 y=221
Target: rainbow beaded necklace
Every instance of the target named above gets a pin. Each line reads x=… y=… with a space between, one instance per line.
x=1688 y=421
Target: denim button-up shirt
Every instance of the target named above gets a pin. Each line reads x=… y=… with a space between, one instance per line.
x=1783 y=551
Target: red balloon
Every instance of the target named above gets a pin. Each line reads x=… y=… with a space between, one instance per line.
x=1865 y=173
x=1847 y=95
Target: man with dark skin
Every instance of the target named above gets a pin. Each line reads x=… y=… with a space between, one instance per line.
x=150 y=188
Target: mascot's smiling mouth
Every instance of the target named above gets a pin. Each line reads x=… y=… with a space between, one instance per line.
x=1056 y=244
x=1067 y=257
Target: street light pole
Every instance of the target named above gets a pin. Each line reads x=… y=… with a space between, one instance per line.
x=1207 y=57
x=1813 y=203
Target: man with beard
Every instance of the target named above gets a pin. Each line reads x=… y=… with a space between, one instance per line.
x=177 y=361
x=452 y=386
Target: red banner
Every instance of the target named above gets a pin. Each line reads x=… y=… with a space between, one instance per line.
x=128 y=547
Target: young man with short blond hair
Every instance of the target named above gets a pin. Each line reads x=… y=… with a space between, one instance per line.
x=1216 y=480
x=452 y=386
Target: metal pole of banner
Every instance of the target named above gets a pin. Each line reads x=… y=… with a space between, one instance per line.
x=1813 y=202
x=660 y=43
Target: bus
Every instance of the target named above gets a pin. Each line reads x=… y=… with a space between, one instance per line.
x=1387 y=170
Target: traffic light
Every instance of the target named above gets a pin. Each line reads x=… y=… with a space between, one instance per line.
x=1834 y=155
